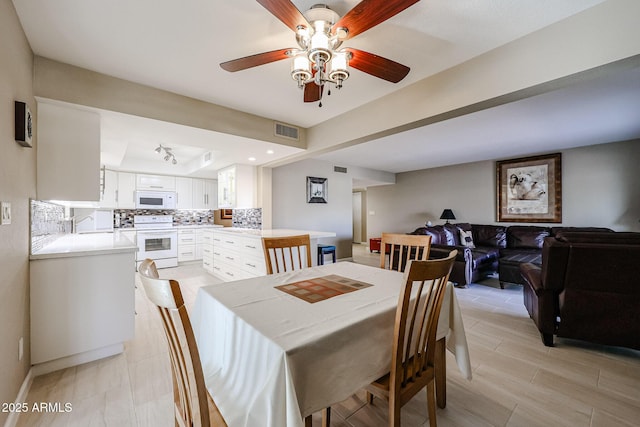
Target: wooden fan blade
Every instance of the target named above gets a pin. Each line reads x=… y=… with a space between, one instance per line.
x=377 y=65
x=285 y=11
x=255 y=60
x=369 y=13
x=312 y=92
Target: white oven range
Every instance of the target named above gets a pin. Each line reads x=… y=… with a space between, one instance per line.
x=156 y=239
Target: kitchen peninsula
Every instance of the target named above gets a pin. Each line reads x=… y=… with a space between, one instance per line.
x=236 y=253
x=82 y=299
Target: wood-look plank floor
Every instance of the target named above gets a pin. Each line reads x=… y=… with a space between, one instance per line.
x=517 y=381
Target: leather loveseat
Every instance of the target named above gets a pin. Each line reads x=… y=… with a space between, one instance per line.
x=484 y=250
x=588 y=288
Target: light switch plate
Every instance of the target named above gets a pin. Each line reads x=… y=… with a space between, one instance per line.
x=5 y=208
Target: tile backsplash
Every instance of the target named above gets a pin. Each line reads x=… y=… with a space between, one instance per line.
x=47 y=223
x=247 y=218
x=180 y=217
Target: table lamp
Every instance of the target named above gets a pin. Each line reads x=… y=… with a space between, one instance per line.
x=447 y=214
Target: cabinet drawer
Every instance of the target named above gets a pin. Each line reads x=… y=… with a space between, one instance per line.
x=186 y=253
x=251 y=247
x=186 y=239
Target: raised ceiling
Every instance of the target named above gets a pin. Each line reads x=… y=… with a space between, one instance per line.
x=177 y=46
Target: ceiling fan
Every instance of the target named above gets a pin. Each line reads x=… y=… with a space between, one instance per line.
x=319 y=58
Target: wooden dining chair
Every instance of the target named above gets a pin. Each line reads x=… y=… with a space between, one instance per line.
x=193 y=405
x=413 y=349
x=286 y=253
x=402 y=248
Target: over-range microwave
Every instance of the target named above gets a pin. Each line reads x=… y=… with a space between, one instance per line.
x=155 y=200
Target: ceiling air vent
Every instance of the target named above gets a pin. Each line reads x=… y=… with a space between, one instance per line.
x=207 y=157
x=285 y=131
x=339 y=169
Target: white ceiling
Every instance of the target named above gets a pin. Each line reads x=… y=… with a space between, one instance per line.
x=177 y=46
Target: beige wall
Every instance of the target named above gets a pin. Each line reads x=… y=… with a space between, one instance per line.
x=17 y=185
x=599 y=188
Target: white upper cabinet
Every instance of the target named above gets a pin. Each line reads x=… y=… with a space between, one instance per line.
x=156 y=182
x=126 y=196
x=205 y=194
x=118 y=190
x=237 y=187
x=185 y=190
x=68 y=154
x=108 y=195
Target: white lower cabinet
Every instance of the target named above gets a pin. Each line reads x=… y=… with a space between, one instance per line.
x=190 y=244
x=82 y=308
x=233 y=257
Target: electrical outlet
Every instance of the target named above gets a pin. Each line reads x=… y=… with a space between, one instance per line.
x=20 y=348
x=5 y=210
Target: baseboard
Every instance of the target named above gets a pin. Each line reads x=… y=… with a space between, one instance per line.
x=12 y=420
x=77 y=359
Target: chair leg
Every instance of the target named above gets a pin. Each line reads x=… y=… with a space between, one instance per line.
x=394 y=414
x=369 y=398
x=547 y=339
x=441 y=372
x=431 y=403
x=326 y=417
x=308 y=421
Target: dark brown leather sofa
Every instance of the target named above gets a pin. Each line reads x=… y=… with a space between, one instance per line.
x=588 y=288
x=496 y=249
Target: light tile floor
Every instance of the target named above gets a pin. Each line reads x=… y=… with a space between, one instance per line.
x=517 y=381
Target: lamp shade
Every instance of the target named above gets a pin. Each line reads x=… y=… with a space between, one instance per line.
x=447 y=214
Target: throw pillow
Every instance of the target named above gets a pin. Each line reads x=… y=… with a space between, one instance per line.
x=466 y=239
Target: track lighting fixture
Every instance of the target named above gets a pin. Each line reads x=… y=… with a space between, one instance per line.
x=168 y=154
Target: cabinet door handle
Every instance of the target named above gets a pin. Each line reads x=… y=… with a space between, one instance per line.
x=229 y=258
x=117 y=196
x=250 y=265
x=155 y=186
x=250 y=247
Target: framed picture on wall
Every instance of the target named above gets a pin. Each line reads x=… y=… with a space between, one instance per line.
x=529 y=189
x=316 y=190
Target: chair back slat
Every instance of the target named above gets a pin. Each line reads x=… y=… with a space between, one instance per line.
x=286 y=253
x=416 y=324
x=401 y=248
x=190 y=394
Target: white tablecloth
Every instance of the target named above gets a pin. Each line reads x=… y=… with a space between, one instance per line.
x=270 y=359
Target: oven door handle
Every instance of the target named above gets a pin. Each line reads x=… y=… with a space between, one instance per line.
x=151 y=233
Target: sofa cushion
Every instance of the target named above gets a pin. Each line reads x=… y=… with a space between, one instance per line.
x=526 y=237
x=484 y=255
x=556 y=230
x=466 y=239
x=489 y=235
x=437 y=233
x=452 y=233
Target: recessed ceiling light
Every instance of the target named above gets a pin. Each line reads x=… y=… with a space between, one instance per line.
x=252 y=159
x=270 y=151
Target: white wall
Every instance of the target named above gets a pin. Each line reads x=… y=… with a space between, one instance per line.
x=291 y=210
x=600 y=187
x=17 y=185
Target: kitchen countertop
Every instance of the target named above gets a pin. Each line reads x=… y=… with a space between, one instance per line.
x=276 y=232
x=74 y=245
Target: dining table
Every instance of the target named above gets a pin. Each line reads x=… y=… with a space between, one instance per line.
x=272 y=354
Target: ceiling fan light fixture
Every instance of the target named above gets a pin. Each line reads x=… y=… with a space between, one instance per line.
x=338 y=68
x=319 y=33
x=301 y=69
